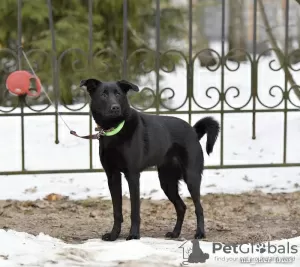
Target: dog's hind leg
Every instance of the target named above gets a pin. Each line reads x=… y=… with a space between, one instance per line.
x=193 y=180
x=169 y=175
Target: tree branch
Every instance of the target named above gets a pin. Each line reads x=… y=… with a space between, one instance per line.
x=298 y=1
x=280 y=55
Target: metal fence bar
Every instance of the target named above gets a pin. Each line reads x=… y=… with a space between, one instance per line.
x=254 y=71
x=125 y=37
x=19 y=18
x=157 y=54
x=285 y=67
x=190 y=67
x=90 y=63
x=21 y=98
x=154 y=112
x=54 y=67
x=222 y=94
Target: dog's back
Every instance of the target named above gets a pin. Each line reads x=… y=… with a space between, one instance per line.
x=162 y=136
x=167 y=136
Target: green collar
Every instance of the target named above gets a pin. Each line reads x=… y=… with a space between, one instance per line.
x=112 y=131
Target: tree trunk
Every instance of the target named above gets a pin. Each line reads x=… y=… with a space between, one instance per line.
x=206 y=58
x=236 y=38
x=295 y=57
x=278 y=52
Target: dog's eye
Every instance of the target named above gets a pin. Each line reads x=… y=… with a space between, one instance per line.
x=104 y=95
x=117 y=94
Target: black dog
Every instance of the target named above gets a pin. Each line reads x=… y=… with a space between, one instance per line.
x=146 y=140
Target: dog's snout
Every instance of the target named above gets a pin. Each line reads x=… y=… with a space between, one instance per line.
x=115 y=108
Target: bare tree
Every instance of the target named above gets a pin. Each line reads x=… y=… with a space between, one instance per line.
x=278 y=52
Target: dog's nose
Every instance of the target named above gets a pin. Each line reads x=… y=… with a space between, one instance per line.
x=115 y=107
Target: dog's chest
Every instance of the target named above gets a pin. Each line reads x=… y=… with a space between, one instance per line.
x=113 y=159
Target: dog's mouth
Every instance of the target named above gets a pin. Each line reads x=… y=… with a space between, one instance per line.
x=108 y=114
x=114 y=114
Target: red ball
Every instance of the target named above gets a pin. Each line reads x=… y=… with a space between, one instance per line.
x=22 y=82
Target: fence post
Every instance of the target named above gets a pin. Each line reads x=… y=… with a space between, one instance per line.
x=125 y=37
x=54 y=68
x=157 y=54
x=222 y=83
x=90 y=60
x=21 y=98
x=190 y=70
x=286 y=66
x=254 y=71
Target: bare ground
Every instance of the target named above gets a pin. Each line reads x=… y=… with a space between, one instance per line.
x=251 y=217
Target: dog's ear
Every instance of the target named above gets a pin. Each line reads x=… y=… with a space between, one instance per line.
x=90 y=84
x=126 y=86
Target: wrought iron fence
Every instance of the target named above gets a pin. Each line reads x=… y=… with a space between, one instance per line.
x=221 y=106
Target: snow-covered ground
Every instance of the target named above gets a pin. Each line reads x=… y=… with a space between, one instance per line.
x=81 y=186
x=73 y=153
x=22 y=249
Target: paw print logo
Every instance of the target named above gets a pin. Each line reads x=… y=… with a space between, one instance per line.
x=261 y=248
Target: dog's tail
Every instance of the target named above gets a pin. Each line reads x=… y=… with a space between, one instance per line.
x=210 y=127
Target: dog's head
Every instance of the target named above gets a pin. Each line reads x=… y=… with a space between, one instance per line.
x=109 y=101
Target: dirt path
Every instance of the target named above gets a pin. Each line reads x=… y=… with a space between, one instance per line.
x=252 y=217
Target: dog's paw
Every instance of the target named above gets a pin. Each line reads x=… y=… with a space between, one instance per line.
x=199 y=235
x=132 y=236
x=109 y=237
x=172 y=234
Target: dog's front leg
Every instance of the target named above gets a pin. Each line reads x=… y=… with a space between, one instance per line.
x=115 y=188
x=134 y=189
